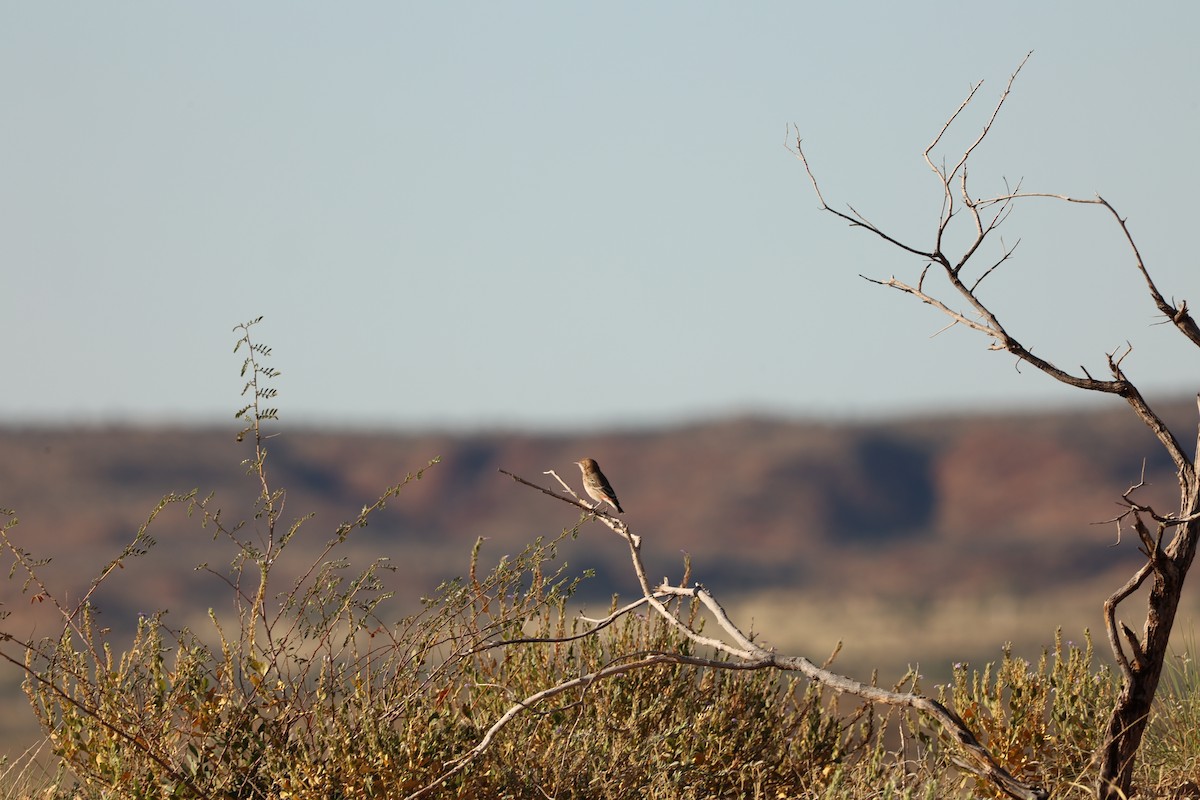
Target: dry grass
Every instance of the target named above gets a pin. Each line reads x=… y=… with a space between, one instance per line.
x=890 y=634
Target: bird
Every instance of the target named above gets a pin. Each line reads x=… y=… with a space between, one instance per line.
x=597 y=486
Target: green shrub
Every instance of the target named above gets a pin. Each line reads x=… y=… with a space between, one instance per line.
x=1042 y=722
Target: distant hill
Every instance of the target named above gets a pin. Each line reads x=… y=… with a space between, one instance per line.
x=805 y=525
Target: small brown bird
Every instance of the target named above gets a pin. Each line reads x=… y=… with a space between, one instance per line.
x=597 y=486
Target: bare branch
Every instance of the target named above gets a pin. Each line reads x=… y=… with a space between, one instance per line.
x=961 y=108
x=1135 y=647
x=947 y=177
x=1140 y=661
x=1183 y=463
x=1110 y=622
x=746 y=655
x=615 y=524
x=582 y=682
x=1178 y=315
x=749 y=648
x=1007 y=254
x=857 y=220
x=991 y=120
x=928 y=299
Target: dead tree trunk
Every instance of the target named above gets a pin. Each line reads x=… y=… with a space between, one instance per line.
x=1142 y=668
x=1140 y=659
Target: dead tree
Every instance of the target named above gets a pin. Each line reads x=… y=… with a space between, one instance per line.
x=741 y=652
x=950 y=283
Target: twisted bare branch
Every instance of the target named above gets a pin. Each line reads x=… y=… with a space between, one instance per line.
x=743 y=654
x=1139 y=659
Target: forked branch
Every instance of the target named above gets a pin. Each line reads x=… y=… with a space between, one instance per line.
x=741 y=652
x=1140 y=659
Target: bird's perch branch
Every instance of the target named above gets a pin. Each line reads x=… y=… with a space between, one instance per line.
x=742 y=654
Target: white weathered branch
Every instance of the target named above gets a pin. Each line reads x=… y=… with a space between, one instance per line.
x=744 y=654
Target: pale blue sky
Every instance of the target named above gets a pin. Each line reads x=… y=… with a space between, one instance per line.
x=552 y=215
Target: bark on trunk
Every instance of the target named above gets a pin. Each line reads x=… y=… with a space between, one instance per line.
x=1131 y=713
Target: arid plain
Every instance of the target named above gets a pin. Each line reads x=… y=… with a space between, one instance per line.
x=918 y=541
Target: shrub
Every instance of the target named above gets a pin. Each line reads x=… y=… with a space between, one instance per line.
x=305 y=688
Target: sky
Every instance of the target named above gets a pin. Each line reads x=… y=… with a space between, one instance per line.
x=560 y=216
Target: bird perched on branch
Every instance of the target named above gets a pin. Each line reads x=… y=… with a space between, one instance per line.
x=597 y=486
